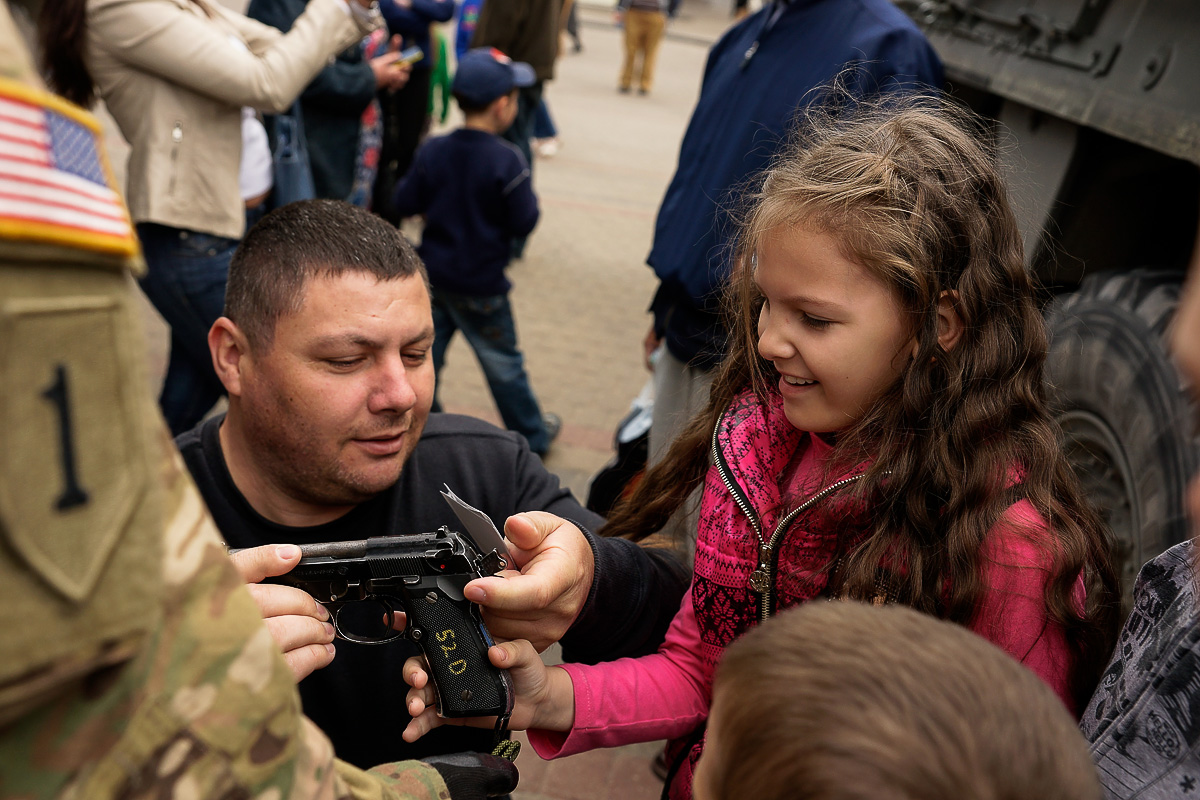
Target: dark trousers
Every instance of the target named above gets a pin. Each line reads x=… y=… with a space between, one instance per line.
x=185 y=280
x=404 y=112
x=520 y=133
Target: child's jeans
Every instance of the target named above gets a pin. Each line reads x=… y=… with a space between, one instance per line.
x=488 y=324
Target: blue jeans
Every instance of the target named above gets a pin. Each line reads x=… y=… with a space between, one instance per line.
x=543 y=123
x=487 y=322
x=185 y=280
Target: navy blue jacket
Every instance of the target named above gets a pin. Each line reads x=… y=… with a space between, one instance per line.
x=741 y=120
x=476 y=193
x=413 y=24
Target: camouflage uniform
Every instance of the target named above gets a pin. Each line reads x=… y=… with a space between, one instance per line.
x=134 y=663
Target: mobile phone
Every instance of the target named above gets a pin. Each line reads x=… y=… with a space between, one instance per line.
x=409 y=55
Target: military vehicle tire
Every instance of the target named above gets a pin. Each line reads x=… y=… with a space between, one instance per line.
x=1125 y=412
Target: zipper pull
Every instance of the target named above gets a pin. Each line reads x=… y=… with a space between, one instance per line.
x=749 y=54
x=760 y=579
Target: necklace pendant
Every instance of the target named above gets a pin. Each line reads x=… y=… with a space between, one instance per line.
x=759 y=581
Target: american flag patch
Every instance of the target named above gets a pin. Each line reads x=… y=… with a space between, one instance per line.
x=55 y=182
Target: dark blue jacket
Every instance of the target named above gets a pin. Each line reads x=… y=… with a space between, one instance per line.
x=413 y=23
x=476 y=193
x=741 y=119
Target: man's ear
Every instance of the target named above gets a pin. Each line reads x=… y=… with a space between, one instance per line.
x=950 y=322
x=228 y=346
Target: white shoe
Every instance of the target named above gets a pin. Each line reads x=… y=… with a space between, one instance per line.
x=546 y=148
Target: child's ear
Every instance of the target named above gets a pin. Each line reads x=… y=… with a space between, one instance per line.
x=950 y=322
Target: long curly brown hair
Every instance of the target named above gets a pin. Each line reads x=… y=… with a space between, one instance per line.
x=912 y=189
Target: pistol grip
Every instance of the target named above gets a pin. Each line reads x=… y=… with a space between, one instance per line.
x=455 y=645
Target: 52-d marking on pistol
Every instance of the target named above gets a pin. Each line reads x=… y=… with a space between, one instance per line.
x=458 y=666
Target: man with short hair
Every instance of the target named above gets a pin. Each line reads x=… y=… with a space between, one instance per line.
x=325 y=353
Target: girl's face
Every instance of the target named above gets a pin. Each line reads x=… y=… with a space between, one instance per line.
x=834 y=332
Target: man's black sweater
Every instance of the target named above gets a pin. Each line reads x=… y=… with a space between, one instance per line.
x=358 y=700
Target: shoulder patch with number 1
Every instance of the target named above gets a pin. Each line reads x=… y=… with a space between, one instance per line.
x=71 y=469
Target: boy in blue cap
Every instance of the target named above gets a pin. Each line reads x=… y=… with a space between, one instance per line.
x=476 y=193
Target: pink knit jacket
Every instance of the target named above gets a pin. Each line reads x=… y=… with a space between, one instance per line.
x=667 y=695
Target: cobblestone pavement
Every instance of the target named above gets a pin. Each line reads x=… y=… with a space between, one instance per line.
x=581 y=292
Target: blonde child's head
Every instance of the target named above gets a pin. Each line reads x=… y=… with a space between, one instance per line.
x=846 y=701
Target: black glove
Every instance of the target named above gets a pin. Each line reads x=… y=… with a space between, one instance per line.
x=475 y=776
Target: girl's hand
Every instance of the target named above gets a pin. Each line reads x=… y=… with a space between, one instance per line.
x=544 y=695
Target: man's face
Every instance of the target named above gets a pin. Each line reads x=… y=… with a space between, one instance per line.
x=333 y=406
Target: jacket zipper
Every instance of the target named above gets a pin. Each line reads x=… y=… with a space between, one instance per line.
x=761 y=580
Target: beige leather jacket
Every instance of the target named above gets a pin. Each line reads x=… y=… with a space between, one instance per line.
x=175 y=81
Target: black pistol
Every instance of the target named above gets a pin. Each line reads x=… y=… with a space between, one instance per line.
x=364 y=582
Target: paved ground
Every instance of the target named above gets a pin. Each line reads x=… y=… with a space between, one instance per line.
x=581 y=292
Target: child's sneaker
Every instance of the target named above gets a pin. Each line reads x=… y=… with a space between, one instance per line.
x=546 y=148
x=553 y=423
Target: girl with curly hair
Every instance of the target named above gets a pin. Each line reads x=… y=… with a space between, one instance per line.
x=878 y=431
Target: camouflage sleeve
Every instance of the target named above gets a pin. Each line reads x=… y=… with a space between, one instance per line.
x=206 y=708
x=134 y=664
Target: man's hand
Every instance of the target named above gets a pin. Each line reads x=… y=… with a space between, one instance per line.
x=298 y=623
x=389 y=74
x=543 y=599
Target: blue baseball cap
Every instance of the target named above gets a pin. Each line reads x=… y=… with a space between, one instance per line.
x=484 y=73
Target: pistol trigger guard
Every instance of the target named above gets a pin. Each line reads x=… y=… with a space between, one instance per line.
x=388 y=608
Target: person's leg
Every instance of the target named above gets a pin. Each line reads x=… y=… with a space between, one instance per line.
x=656 y=25
x=626 y=78
x=185 y=281
x=637 y=19
x=573 y=27
x=680 y=392
x=404 y=112
x=543 y=123
x=488 y=324
x=521 y=131
x=545 y=134
x=443 y=331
